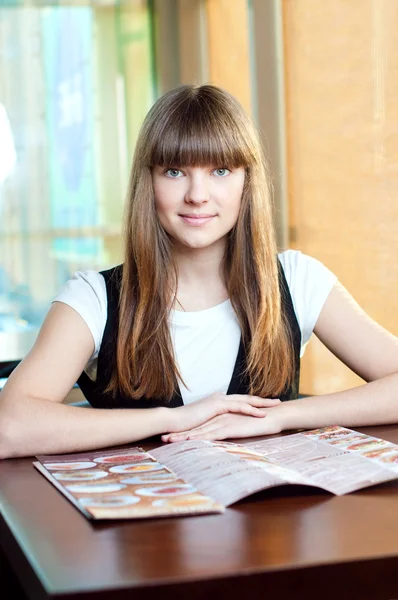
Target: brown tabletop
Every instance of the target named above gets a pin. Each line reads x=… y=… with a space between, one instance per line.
x=289 y=542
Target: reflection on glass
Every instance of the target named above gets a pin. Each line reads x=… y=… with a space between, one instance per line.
x=8 y=155
x=76 y=80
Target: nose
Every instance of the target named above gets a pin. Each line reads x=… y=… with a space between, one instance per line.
x=198 y=189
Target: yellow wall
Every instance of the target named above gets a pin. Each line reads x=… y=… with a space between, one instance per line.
x=341 y=61
x=228 y=48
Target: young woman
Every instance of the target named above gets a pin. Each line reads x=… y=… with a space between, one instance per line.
x=199 y=332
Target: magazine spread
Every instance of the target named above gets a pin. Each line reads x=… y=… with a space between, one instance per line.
x=203 y=477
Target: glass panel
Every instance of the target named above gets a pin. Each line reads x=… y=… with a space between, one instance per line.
x=76 y=80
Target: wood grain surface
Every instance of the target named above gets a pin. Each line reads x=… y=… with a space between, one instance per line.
x=287 y=542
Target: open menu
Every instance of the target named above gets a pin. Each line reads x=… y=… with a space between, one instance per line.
x=203 y=477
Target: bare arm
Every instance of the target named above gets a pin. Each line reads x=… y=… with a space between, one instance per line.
x=359 y=342
x=32 y=416
x=33 y=419
x=366 y=348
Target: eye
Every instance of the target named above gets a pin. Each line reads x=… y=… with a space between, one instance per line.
x=173 y=173
x=221 y=172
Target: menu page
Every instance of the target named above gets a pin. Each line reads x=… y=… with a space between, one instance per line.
x=119 y=484
x=225 y=471
x=202 y=477
x=334 y=458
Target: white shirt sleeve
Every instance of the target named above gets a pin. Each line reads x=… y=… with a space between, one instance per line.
x=86 y=294
x=310 y=283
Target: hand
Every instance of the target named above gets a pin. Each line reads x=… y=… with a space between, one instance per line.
x=231 y=426
x=190 y=416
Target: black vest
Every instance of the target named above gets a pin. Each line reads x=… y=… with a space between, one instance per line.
x=94 y=390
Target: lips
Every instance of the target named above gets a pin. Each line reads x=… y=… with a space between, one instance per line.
x=197 y=220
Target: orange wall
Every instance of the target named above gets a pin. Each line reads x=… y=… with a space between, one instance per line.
x=228 y=47
x=341 y=61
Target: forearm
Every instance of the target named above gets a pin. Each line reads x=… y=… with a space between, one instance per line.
x=36 y=426
x=369 y=404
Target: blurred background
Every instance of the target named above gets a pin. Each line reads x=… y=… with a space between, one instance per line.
x=319 y=78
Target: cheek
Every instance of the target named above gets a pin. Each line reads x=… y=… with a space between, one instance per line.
x=164 y=202
x=236 y=201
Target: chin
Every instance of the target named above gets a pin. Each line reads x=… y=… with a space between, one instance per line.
x=197 y=244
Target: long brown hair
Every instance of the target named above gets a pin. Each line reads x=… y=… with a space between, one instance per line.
x=199 y=126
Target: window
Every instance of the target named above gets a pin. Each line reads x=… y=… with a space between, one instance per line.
x=75 y=85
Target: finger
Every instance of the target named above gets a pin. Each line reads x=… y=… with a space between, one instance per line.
x=176 y=437
x=170 y=437
x=215 y=434
x=264 y=402
x=255 y=401
x=250 y=398
x=196 y=431
x=246 y=409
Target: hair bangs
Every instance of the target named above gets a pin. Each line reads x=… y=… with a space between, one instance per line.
x=196 y=137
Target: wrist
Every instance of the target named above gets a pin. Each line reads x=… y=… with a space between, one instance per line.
x=171 y=419
x=164 y=419
x=289 y=415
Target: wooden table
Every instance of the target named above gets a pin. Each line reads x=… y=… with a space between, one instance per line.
x=290 y=542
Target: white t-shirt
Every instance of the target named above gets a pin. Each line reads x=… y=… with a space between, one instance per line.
x=206 y=342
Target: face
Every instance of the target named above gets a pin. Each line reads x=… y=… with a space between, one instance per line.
x=198 y=206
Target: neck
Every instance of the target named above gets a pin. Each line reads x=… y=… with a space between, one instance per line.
x=201 y=282
x=196 y=265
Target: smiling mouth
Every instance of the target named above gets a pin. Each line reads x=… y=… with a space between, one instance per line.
x=197 y=220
